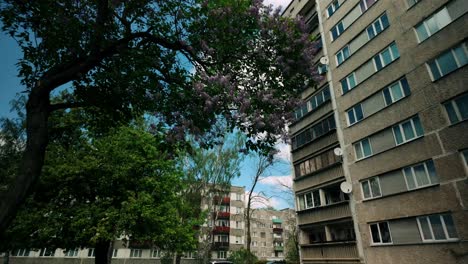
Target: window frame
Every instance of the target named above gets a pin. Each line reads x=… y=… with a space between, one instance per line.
x=426 y=27
x=402 y=132
x=347 y=78
x=444 y=228
x=393 y=57
x=353 y=109
x=335 y=6
x=413 y=176
x=138 y=251
x=380 y=234
x=362 y=149
x=456 y=109
x=370 y=189
x=338 y=31
x=436 y=62
x=390 y=91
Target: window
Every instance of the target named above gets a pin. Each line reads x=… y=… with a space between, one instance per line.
x=412 y=2
x=337 y=30
x=380 y=233
x=437 y=228
x=309 y=200
x=91 y=253
x=366 y=4
x=332 y=8
x=238 y=210
x=408 y=130
x=311 y=133
x=313 y=103
x=238 y=224
x=355 y=114
x=420 y=175
x=465 y=157
x=262 y=234
x=386 y=57
x=396 y=91
x=377 y=26
x=254 y=243
x=457 y=109
x=363 y=149
x=47 y=252
x=238 y=196
x=114 y=252
x=221 y=254
x=342 y=55
x=448 y=62
x=348 y=83
x=135 y=253
x=433 y=24
x=23 y=252
x=71 y=252
x=371 y=188
x=316 y=163
x=322 y=69
x=155 y=253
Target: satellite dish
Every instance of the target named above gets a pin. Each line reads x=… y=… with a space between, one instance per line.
x=346 y=187
x=324 y=60
x=338 y=151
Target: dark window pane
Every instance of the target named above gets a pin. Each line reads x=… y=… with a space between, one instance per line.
x=425 y=228
x=437 y=228
x=346 y=52
x=351 y=118
x=385 y=232
x=358 y=111
x=462 y=104
x=366 y=147
x=397 y=133
x=378 y=63
x=370 y=32
x=388 y=98
x=344 y=86
x=452 y=233
x=408 y=130
x=384 y=20
x=375 y=233
x=326 y=93
x=434 y=70
x=405 y=85
x=378 y=27
x=421 y=176
x=447 y=63
x=374 y=184
x=366 y=189
x=409 y=178
x=418 y=127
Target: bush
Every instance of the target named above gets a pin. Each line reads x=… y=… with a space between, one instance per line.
x=242 y=256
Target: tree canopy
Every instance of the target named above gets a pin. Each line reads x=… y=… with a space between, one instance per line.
x=186 y=62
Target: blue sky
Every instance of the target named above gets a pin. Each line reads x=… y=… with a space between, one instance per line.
x=10 y=86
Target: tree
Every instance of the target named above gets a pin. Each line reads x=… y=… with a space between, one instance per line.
x=242 y=256
x=263 y=163
x=188 y=62
x=208 y=174
x=95 y=190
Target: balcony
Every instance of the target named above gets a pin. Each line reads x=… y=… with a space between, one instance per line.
x=324 y=213
x=221 y=229
x=222 y=215
x=224 y=201
x=345 y=252
x=279 y=248
x=277 y=221
x=277 y=230
x=221 y=245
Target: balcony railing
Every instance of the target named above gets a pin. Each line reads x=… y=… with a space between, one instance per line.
x=279 y=248
x=332 y=251
x=221 y=245
x=325 y=213
x=222 y=215
x=221 y=229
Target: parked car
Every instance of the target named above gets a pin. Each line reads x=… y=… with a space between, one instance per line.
x=220 y=262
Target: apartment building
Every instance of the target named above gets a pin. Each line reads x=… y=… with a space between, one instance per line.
x=389 y=118
x=270 y=231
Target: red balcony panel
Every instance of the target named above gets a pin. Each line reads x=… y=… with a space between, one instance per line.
x=221 y=229
x=222 y=215
x=225 y=200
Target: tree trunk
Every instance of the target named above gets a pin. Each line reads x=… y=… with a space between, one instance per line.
x=178 y=258
x=103 y=251
x=37 y=114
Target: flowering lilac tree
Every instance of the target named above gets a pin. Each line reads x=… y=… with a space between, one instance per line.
x=190 y=62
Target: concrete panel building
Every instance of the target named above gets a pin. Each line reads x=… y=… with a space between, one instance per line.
x=394 y=105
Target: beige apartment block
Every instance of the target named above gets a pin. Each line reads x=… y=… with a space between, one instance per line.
x=394 y=100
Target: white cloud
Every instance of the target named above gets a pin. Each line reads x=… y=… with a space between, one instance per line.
x=278 y=182
x=284 y=151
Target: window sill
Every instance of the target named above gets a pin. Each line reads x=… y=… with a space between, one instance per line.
x=322 y=207
x=401 y=192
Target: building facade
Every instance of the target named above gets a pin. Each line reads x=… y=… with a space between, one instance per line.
x=390 y=119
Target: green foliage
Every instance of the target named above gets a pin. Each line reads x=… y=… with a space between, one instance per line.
x=261 y=262
x=101 y=188
x=242 y=256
